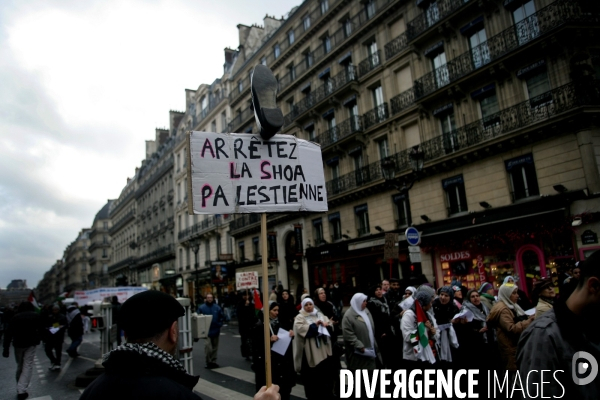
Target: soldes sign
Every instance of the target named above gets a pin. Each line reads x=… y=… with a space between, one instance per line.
x=457 y=255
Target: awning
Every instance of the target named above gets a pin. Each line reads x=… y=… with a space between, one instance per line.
x=350 y=100
x=333 y=160
x=333 y=216
x=515 y=162
x=398 y=198
x=531 y=69
x=324 y=73
x=484 y=91
x=305 y=87
x=448 y=108
x=345 y=57
x=472 y=26
x=328 y=114
x=361 y=208
x=317 y=221
x=434 y=50
x=354 y=151
x=309 y=126
x=455 y=180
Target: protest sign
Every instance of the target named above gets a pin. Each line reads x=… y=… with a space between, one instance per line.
x=246 y=280
x=83 y=297
x=241 y=173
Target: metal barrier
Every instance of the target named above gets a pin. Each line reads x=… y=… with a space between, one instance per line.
x=184 y=348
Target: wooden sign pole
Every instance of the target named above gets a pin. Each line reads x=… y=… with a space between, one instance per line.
x=265 y=301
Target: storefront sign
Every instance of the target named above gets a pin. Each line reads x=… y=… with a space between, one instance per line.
x=272 y=243
x=226 y=257
x=238 y=173
x=389 y=247
x=246 y=280
x=481 y=269
x=457 y=255
x=298 y=235
x=589 y=237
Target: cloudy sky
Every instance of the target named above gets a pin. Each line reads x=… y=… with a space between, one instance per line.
x=82 y=85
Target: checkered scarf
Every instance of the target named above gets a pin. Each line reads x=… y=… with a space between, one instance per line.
x=148 y=349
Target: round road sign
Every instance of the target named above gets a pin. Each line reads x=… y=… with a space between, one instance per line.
x=412 y=236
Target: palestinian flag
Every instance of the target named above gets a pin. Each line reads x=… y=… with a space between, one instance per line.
x=257 y=303
x=422 y=350
x=33 y=301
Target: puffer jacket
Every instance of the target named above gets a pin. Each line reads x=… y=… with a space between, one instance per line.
x=508 y=331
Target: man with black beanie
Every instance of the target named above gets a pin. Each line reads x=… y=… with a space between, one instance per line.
x=144 y=367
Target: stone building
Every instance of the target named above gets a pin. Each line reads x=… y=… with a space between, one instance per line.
x=75 y=267
x=100 y=248
x=482 y=114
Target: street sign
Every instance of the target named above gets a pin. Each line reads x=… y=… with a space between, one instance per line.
x=412 y=236
x=389 y=248
x=415 y=257
x=414 y=249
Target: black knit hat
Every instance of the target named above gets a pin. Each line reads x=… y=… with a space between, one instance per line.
x=540 y=285
x=146 y=314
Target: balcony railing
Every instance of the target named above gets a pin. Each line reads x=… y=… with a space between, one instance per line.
x=435 y=13
x=156 y=254
x=532 y=27
x=242 y=220
x=200 y=228
x=375 y=116
x=156 y=175
x=214 y=102
x=239 y=88
x=519 y=116
x=403 y=101
x=340 y=131
x=336 y=39
x=240 y=119
x=396 y=46
x=370 y=63
x=120 y=223
x=321 y=93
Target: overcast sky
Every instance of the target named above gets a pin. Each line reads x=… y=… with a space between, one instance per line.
x=82 y=85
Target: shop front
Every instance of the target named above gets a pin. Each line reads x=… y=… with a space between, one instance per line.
x=528 y=242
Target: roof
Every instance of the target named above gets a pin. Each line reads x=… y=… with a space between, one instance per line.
x=103 y=213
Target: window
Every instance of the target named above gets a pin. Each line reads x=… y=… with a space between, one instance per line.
x=479 y=48
x=290 y=103
x=335 y=226
x=223 y=121
x=104 y=239
x=489 y=109
x=335 y=170
x=326 y=44
x=401 y=210
x=308 y=59
x=354 y=117
x=178 y=192
x=292 y=72
x=310 y=131
x=384 y=149
x=331 y=125
x=523 y=179
x=263 y=61
x=324 y=6
x=240 y=86
x=360 y=173
x=448 y=126
x=104 y=254
x=306 y=22
x=218 y=245
x=432 y=13
x=377 y=96
x=291 y=37
x=276 y=50
x=213 y=126
x=318 y=230
x=362 y=220
x=181 y=259
x=370 y=8
x=207 y=250
x=442 y=77
x=526 y=23
x=455 y=194
x=178 y=162
x=347 y=27
x=256 y=247
x=105 y=224
x=241 y=252
x=373 y=54
x=538 y=89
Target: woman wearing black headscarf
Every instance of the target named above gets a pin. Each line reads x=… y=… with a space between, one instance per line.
x=444 y=309
x=246 y=320
x=380 y=311
x=477 y=338
x=282 y=367
x=287 y=310
x=326 y=307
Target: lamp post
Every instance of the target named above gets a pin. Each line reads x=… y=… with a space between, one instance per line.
x=388 y=169
x=195 y=246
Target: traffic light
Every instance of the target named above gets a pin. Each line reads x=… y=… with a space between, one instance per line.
x=97 y=322
x=415 y=269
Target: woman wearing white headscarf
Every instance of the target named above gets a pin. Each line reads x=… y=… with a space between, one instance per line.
x=313 y=352
x=509 y=320
x=359 y=335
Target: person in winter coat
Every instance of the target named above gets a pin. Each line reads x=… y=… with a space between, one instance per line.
x=313 y=352
x=211 y=345
x=509 y=320
x=246 y=320
x=486 y=295
x=409 y=326
x=444 y=310
x=380 y=311
x=24 y=332
x=75 y=330
x=287 y=310
x=282 y=366
x=543 y=291
x=477 y=338
x=54 y=336
x=358 y=328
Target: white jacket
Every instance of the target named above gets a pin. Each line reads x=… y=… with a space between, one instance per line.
x=408 y=325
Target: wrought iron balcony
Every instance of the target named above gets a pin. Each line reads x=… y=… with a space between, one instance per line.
x=199 y=228
x=322 y=92
x=403 y=101
x=121 y=223
x=396 y=45
x=370 y=63
x=243 y=220
x=521 y=33
x=340 y=131
x=435 y=13
x=511 y=119
x=363 y=231
x=156 y=255
x=359 y=20
x=240 y=87
x=375 y=116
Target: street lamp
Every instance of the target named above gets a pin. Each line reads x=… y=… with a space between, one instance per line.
x=195 y=246
x=388 y=169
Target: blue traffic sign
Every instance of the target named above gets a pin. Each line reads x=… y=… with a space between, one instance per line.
x=412 y=236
